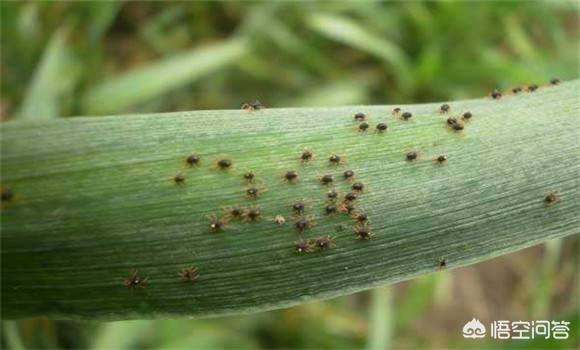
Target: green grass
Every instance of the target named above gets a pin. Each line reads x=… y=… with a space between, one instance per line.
x=96 y=196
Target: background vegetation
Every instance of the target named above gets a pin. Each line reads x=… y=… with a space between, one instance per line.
x=92 y=58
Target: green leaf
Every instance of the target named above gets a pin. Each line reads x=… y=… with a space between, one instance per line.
x=158 y=78
x=350 y=33
x=94 y=199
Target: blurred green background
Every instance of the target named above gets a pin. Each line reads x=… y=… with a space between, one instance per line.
x=63 y=59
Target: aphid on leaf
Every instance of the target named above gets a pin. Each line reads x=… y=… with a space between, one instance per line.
x=303 y=246
x=330 y=209
x=216 y=224
x=358 y=186
x=298 y=207
x=532 y=87
x=441 y=159
x=326 y=179
x=253 y=106
x=249 y=176
x=279 y=219
x=303 y=224
x=252 y=214
x=332 y=194
x=135 y=281
x=179 y=179
x=192 y=159
x=291 y=176
x=325 y=242
x=347 y=207
x=361 y=218
x=551 y=198
x=188 y=274
x=348 y=174
x=351 y=197
x=363 y=232
x=381 y=127
x=306 y=156
x=224 y=164
x=334 y=159
x=412 y=155
x=360 y=117
x=254 y=192
x=7 y=194
x=234 y=212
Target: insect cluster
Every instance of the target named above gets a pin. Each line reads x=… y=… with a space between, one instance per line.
x=301 y=217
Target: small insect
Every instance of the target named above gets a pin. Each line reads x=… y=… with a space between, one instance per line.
x=7 y=195
x=381 y=127
x=279 y=219
x=347 y=207
x=188 y=274
x=351 y=197
x=234 y=213
x=306 y=156
x=444 y=108
x=363 y=126
x=358 y=186
x=532 y=87
x=303 y=224
x=303 y=246
x=332 y=194
x=363 y=232
x=442 y=263
x=457 y=127
x=249 y=176
x=396 y=111
x=360 y=117
x=325 y=242
x=451 y=121
x=495 y=94
x=135 y=281
x=291 y=175
x=253 y=106
x=407 y=115
x=467 y=115
x=299 y=207
x=551 y=198
x=411 y=156
x=216 y=224
x=254 y=192
x=348 y=174
x=179 y=178
x=326 y=179
x=252 y=214
x=330 y=209
x=192 y=159
x=334 y=159
x=361 y=218
x=441 y=159
x=224 y=164
x=517 y=90
x=554 y=81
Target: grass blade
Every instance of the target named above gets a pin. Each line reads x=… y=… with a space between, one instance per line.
x=94 y=199
x=156 y=79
